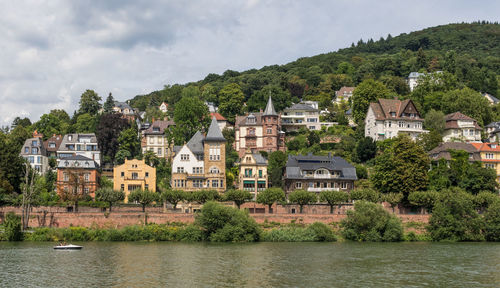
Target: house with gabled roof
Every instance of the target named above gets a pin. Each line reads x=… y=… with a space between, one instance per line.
x=387 y=118
x=155 y=139
x=460 y=127
x=344 y=94
x=253 y=173
x=490 y=156
x=201 y=163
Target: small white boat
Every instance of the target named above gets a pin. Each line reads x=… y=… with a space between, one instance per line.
x=68 y=247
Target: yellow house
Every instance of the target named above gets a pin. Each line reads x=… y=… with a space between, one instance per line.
x=253 y=173
x=490 y=156
x=132 y=175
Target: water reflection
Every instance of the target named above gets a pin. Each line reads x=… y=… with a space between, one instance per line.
x=251 y=265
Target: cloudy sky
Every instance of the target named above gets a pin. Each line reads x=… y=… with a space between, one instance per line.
x=51 y=51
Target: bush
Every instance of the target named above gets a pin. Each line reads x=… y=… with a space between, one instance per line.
x=454 y=218
x=322 y=232
x=492 y=222
x=191 y=233
x=12 y=225
x=316 y=232
x=226 y=224
x=371 y=222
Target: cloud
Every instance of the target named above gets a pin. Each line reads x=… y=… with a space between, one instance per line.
x=52 y=51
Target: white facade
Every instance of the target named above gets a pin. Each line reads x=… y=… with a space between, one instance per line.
x=79 y=144
x=302 y=115
x=187 y=162
x=163 y=107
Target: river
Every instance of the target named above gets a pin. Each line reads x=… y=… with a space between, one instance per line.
x=105 y=264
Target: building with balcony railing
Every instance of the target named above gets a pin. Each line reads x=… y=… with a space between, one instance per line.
x=302 y=115
x=132 y=175
x=318 y=173
x=253 y=173
x=79 y=144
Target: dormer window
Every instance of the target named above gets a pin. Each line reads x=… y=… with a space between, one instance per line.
x=156 y=129
x=393 y=114
x=70 y=137
x=251 y=119
x=493 y=146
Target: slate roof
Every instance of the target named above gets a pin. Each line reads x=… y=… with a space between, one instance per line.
x=242 y=120
x=296 y=164
x=259 y=159
x=270 y=108
x=162 y=125
x=214 y=133
x=39 y=144
x=77 y=161
x=415 y=75
x=301 y=106
x=122 y=105
x=443 y=151
x=56 y=139
x=75 y=138
x=195 y=144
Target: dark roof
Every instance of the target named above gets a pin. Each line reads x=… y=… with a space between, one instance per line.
x=122 y=105
x=451 y=120
x=75 y=138
x=301 y=106
x=77 y=161
x=159 y=125
x=443 y=151
x=259 y=159
x=270 y=108
x=242 y=120
x=39 y=144
x=56 y=139
x=296 y=164
x=195 y=144
x=214 y=133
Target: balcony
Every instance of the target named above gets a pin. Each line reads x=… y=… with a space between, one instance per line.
x=321 y=176
x=312 y=189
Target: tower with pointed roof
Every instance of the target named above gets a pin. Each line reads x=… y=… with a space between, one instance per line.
x=201 y=163
x=259 y=131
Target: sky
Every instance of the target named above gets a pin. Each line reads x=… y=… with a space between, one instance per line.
x=52 y=51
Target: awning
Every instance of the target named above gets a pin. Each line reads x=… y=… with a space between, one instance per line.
x=248 y=182
x=261 y=182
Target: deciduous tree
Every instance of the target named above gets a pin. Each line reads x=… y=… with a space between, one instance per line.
x=302 y=197
x=270 y=196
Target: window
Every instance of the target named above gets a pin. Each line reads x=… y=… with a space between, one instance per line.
x=52 y=145
x=180 y=169
x=489 y=165
x=122 y=187
x=197 y=183
x=122 y=174
x=299 y=113
x=135 y=175
x=215 y=183
x=311 y=184
x=151 y=140
x=401 y=124
x=147 y=174
x=34 y=143
x=343 y=185
x=221 y=183
x=197 y=170
x=31 y=159
x=39 y=159
x=489 y=156
x=156 y=129
x=86 y=190
x=26 y=150
x=312 y=120
x=269 y=131
x=159 y=139
x=86 y=177
x=214 y=170
x=65 y=176
x=159 y=151
x=260 y=173
x=146 y=186
x=248 y=172
x=393 y=114
x=199 y=157
x=184 y=157
x=298 y=185
x=34 y=150
x=214 y=152
x=312 y=127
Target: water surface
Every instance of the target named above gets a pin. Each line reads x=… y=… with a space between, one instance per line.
x=106 y=264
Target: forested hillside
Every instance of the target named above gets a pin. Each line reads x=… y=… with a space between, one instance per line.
x=469 y=52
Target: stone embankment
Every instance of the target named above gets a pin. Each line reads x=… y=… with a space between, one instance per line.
x=126 y=216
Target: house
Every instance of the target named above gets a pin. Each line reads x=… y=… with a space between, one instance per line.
x=490 y=156
x=493 y=131
x=155 y=139
x=201 y=163
x=79 y=144
x=132 y=175
x=163 y=107
x=211 y=107
x=124 y=109
x=221 y=121
x=34 y=152
x=462 y=128
x=77 y=175
x=443 y=151
x=414 y=77
x=52 y=145
x=387 y=118
x=492 y=99
x=253 y=173
x=344 y=94
x=318 y=173
x=302 y=115
x=259 y=131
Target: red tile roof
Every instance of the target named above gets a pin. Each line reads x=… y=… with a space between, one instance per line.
x=383 y=108
x=484 y=147
x=217 y=116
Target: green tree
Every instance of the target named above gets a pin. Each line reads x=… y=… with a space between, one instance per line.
x=402 y=168
x=454 y=218
x=202 y=196
x=50 y=124
x=108 y=130
x=109 y=196
x=12 y=224
x=365 y=194
x=121 y=155
x=109 y=104
x=190 y=115
x=393 y=199
x=430 y=140
x=492 y=222
x=366 y=149
x=85 y=123
x=425 y=199
x=143 y=197
x=173 y=196
x=371 y=222
x=367 y=91
x=238 y=196
x=313 y=138
x=434 y=120
x=277 y=160
x=89 y=102
x=333 y=198
x=302 y=197
x=470 y=103
x=226 y=224
x=230 y=99
x=129 y=141
x=270 y=196
x=478 y=178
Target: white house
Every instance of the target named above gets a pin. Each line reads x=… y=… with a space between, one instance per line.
x=79 y=144
x=34 y=152
x=387 y=118
x=344 y=94
x=302 y=115
x=414 y=77
x=461 y=127
x=163 y=107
